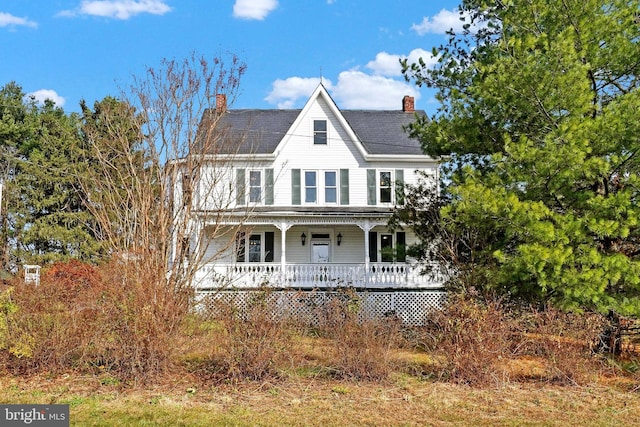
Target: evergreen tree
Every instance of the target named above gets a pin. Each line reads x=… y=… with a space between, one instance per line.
x=47 y=219
x=540 y=118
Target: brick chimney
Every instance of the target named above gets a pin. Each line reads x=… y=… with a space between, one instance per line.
x=408 y=104
x=221 y=102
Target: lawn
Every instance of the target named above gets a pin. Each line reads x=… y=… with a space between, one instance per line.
x=305 y=400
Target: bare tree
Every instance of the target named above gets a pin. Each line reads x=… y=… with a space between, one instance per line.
x=156 y=176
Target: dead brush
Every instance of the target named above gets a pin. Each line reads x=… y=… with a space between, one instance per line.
x=362 y=348
x=113 y=319
x=487 y=342
x=564 y=342
x=253 y=341
x=471 y=342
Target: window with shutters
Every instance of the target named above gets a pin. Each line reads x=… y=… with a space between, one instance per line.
x=255 y=186
x=384 y=186
x=255 y=247
x=382 y=189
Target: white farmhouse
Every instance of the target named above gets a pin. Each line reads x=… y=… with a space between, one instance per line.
x=311 y=192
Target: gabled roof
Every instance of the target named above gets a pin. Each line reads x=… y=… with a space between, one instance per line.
x=379 y=132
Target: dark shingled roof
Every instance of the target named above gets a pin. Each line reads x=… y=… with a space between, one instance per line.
x=382 y=132
x=260 y=131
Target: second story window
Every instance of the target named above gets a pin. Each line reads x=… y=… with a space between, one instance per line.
x=320 y=132
x=310 y=187
x=330 y=187
x=255 y=186
x=385 y=187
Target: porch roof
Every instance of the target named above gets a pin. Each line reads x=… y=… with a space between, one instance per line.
x=318 y=210
x=301 y=215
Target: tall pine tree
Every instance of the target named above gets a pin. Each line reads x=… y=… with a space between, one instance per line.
x=540 y=118
x=46 y=219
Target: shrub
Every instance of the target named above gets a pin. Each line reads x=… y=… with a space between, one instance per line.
x=479 y=343
x=471 y=341
x=565 y=341
x=114 y=318
x=254 y=339
x=362 y=348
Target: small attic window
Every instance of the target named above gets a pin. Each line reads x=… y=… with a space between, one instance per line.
x=320 y=132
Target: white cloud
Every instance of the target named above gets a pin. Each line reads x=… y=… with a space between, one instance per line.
x=289 y=92
x=442 y=22
x=119 y=9
x=8 y=20
x=254 y=9
x=354 y=90
x=43 y=94
x=387 y=64
x=358 y=90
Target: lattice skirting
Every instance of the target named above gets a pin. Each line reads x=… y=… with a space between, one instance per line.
x=410 y=307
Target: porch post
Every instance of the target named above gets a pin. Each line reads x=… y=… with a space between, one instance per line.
x=284 y=226
x=194 y=246
x=366 y=229
x=367 y=259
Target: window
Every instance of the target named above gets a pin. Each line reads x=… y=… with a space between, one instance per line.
x=330 y=187
x=385 y=187
x=187 y=189
x=255 y=186
x=255 y=248
x=310 y=187
x=240 y=247
x=320 y=132
x=386 y=248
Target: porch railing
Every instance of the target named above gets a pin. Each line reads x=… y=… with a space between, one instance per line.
x=378 y=275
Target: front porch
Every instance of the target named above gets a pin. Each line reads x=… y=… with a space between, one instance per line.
x=374 y=276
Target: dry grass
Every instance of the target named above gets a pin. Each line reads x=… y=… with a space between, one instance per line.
x=304 y=401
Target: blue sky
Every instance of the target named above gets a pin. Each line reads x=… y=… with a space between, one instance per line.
x=68 y=50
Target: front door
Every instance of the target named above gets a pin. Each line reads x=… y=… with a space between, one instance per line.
x=319 y=252
x=320 y=248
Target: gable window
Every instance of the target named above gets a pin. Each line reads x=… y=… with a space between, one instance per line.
x=255 y=186
x=310 y=187
x=330 y=187
x=385 y=187
x=320 y=132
